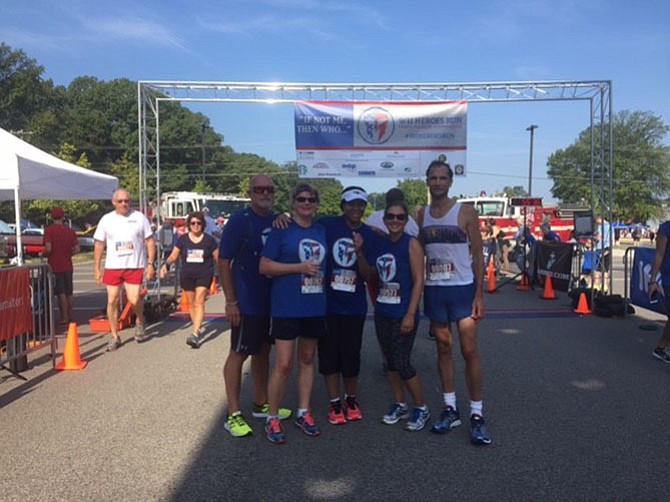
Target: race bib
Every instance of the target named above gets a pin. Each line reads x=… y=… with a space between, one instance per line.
x=195 y=256
x=440 y=270
x=124 y=248
x=389 y=293
x=343 y=280
x=312 y=284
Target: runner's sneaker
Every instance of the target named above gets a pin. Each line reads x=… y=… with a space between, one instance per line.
x=114 y=344
x=262 y=410
x=449 y=419
x=140 y=333
x=307 y=424
x=418 y=419
x=661 y=354
x=193 y=341
x=478 y=432
x=396 y=412
x=237 y=426
x=274 y=431
x=351 y=409
x=335 y=413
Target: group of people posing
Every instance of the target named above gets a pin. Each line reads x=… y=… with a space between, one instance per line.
x=299 y=283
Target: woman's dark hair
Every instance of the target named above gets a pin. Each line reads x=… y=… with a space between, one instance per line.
x=197 y=215
x=397 y=203
x=305 y=187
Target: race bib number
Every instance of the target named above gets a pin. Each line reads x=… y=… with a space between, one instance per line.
x=389 y=293
x=124 y=248
x=195 y=256
x=343 y=280
x=440 y=270
x=312 y=284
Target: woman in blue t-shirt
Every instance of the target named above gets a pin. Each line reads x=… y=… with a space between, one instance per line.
x=198 y=252
x=400 y=267
x=295 y=259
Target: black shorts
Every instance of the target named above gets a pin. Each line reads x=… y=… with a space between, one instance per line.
x=604 y=260
x=290 y=328
x=63 y=284
x=190 y=283
x=249 y=336
x=340 y=348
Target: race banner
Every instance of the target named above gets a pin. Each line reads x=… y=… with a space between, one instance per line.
x=554 y=259
x=379 y=139
x=643 y=260
x=15 y=311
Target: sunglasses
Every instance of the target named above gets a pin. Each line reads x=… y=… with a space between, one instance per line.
x=393 y=216
x=123 y=201
x=195 y=222
x=263 y=189
x=311 y=200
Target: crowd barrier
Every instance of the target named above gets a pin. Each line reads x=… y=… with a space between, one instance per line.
x=26 y=315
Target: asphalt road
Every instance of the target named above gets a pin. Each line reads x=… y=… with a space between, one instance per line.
x=576 y=405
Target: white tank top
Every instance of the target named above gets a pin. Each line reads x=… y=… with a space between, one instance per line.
x=448 y=259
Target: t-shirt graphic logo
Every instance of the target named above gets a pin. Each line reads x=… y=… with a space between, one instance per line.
x=344 y=252
x=386 y=267
x=311 y=250
x=264 y=235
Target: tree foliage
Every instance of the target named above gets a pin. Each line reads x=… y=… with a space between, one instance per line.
x=641 y=170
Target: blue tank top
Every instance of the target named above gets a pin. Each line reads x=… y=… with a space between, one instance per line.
x=395 y=277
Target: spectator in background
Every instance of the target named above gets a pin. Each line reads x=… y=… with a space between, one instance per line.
x=661 y=266
x=603 y=238
x=211 y=228
x=60 y=243
x=548 y=234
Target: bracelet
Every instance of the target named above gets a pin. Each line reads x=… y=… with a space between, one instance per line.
x=231 y=304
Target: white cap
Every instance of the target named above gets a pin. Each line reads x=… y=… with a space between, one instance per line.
x=354 y=193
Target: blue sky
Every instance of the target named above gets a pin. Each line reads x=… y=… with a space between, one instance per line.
x=346 y=41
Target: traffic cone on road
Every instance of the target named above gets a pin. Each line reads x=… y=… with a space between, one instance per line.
x=183 y=303
x=583 y=305
x=214 y=287
x=71 y=357
x=491 y=276
x=548 y=293
x=524 y=284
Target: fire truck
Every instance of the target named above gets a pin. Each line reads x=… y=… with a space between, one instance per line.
x=175 y=206
x=508 y=218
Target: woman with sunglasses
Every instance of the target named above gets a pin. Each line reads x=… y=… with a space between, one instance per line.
x=198 y=252
x=295 y=259
x=400 y=267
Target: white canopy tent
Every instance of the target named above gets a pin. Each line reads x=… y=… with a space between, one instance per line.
x=28 y=173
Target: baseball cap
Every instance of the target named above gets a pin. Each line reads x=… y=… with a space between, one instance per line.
x=354 y=193
x=57 y=213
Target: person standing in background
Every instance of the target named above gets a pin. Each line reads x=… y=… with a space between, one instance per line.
x=60 y=244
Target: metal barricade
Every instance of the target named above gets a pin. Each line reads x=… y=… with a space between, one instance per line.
x=16 y=348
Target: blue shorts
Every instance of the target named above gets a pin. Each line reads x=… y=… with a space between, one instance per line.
x=445 y=304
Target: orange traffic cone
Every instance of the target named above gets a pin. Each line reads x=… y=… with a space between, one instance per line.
x=524 y=284
x=548 y=293
x=583 y=305
x=491 y=276
x=71 y=357
x=183 y=303
x=214 y=287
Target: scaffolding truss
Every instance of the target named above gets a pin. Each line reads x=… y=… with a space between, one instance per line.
x=597 y=92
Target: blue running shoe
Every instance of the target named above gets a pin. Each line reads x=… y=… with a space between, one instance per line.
x=449 y=419
x=274 y=431
x=478 y=432
x=307 y=424
x=418 y=419
x=396 y=412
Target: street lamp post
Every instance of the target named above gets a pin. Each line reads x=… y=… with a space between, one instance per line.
x=531 y=128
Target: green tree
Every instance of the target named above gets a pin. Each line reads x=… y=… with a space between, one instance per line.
x=416 y=192
x=641 y=171
x=515 y=191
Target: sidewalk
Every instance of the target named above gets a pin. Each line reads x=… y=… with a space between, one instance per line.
x=576 y=405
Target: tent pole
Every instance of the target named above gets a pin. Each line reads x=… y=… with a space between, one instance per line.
x=17 y=212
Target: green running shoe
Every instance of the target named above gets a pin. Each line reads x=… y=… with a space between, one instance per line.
x=261 y=411
x=237 y=426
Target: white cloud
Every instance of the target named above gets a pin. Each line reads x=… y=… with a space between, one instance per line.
x=131 y=29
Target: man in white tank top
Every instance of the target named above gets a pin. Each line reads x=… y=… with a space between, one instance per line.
x=454 y=293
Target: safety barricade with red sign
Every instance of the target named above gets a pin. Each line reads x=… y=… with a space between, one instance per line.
x=26 y=315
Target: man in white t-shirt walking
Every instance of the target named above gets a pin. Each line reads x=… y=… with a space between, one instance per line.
x=131 y=251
